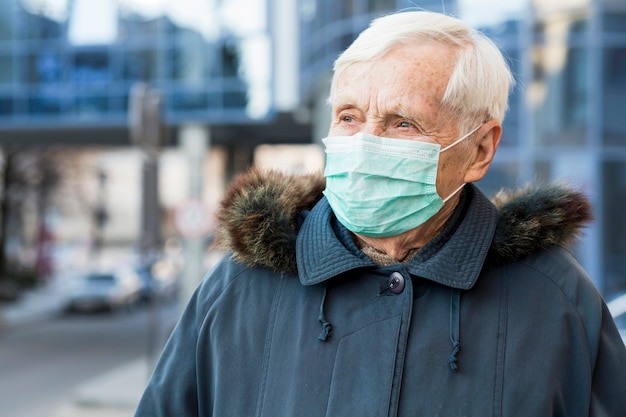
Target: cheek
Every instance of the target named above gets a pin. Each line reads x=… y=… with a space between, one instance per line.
x=450 y=173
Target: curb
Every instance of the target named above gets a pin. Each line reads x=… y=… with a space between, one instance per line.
x=120 y=388
x=113 y=394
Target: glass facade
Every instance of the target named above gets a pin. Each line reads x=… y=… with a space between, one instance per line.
x=75 y=61
x=565 y=121
x=614 y=95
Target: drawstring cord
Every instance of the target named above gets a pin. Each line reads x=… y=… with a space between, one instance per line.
x=326 y=326
x=455 y=322
x=455 y=319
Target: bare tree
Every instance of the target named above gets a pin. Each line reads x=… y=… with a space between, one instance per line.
x=28 y=176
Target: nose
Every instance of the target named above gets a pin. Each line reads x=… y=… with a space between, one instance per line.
x=374 y=128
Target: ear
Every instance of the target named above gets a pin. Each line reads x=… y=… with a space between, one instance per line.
x=486 y=144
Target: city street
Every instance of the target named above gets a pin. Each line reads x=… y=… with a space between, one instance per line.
x=43 y=363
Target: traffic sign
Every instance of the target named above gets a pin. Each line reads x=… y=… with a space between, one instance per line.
x=191 y=219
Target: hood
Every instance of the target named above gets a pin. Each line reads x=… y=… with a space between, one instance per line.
x=257 y=219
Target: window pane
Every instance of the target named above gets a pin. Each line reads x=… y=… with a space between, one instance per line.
x=614 y=225
x=91 y=67
x=575 y=75
x=615 y=20
x=45 y=104
x=6 y=70
x=139 y=65
x=6 y=105
x=614 y=97
x=35 y=26
x=560 y=94
x=43 y=67
x=6 y=19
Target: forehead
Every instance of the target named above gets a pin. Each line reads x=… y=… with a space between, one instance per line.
x=414 y=77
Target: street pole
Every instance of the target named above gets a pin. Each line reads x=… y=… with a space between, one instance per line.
x=194 y=142
x=147 y=132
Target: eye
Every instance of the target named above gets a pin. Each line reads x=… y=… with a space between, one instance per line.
x=344 y=123
x=346 y=118
x=407 y=126
x=403 y=127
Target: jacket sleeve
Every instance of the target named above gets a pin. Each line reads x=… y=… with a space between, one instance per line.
x=171 y=390
x=608 y=396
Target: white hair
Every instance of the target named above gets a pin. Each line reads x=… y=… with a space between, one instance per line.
x=479 y=85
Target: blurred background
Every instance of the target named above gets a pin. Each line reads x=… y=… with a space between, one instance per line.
x=123 y=121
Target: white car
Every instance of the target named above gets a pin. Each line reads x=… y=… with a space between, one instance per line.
x=105 y=291
x=617 y=307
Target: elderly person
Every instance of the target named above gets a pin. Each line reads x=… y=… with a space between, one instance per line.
x=393 y=286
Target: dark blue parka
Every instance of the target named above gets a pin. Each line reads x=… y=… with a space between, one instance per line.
x=492 y=318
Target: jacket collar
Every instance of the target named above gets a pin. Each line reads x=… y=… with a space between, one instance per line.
x=456 y=258
x=325 y=248
x=260 y=217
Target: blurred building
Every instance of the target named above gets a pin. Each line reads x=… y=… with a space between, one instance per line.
x=67 y=68
x=566 y=117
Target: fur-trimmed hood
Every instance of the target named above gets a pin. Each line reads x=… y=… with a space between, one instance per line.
x=258 y=218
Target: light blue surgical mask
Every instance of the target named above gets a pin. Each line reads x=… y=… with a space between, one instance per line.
x=381 y=187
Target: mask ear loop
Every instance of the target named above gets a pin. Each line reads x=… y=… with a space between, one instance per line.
x=461 y=138
x=445 y=200
x=448 y=147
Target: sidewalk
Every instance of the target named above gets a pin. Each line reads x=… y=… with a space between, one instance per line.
x=113 y=394
x=34 y=305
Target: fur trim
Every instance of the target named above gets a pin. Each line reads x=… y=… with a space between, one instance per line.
x=532 y=219
x=258 y=214
x=257 y=218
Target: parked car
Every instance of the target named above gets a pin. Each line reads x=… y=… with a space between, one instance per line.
x=617 y=307
x=159 y=281
x=105 y=291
